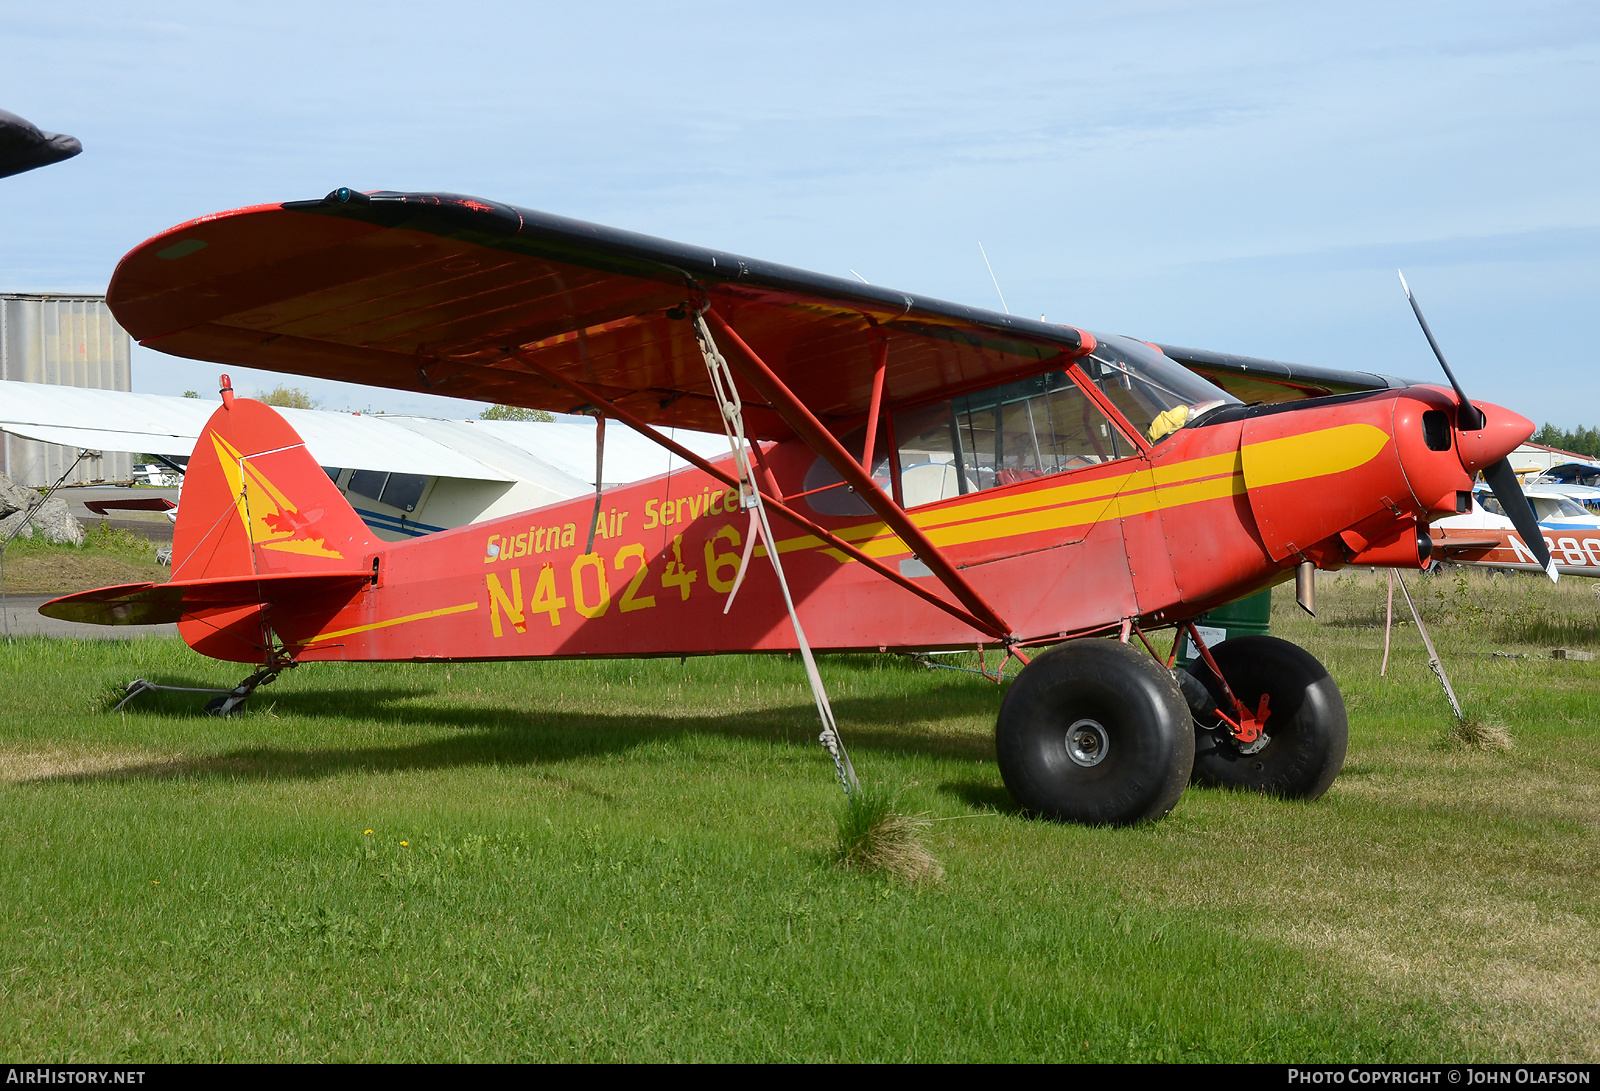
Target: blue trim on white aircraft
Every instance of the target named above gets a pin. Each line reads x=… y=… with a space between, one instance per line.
x=379 y=521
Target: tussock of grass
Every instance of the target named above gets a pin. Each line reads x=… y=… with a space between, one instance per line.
x=1475 y=734
x=876 y=839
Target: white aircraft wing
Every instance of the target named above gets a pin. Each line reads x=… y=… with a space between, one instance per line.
x=102 y=420
x=116 y=420
x=372 y=442
x=537 y=452
x=477 y=469
x=568 y=442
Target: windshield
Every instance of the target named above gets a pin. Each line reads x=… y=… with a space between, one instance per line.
x=1157 y=395
x=1552 y=508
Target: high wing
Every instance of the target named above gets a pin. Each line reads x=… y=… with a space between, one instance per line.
x=440 y=293
x=1255 y=380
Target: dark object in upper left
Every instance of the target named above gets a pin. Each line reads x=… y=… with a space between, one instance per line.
x=23 y=146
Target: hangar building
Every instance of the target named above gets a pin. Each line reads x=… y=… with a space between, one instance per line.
x=61 y=340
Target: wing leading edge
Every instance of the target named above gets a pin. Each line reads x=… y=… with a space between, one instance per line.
x=434 y=292
x=1255 y=380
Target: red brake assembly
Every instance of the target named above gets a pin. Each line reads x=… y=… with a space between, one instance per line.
x=1245 y=726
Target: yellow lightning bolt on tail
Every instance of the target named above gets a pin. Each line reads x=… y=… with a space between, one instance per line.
x=255 y=498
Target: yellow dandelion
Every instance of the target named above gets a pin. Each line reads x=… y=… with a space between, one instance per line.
x=157 y=882
x=369 y=832
x=405 y=844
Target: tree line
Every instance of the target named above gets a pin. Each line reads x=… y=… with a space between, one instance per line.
x=1580 y=440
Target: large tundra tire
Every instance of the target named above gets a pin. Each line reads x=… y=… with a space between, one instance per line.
x=1306 y=727
x=1093 y=731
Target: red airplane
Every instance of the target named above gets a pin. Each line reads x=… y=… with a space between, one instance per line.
x=936 y=476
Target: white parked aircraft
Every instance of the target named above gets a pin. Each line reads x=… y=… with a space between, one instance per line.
x=1484 y=536
x=404 y=475
x=1579 y=481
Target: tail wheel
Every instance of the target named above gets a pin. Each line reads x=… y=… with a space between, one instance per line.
x=1306 y=731
x=1093 y=731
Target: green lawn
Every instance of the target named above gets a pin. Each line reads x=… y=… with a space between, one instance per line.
x=630 y=860
x=107 y=556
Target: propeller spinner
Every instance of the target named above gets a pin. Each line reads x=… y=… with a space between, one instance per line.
x=1500 y=476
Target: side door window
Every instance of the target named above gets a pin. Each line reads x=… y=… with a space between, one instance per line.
x=1005 y=435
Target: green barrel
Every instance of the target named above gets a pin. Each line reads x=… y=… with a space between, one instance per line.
x=1251 y=615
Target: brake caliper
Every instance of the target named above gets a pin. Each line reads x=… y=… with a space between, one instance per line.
x=1247 y=729
x=1251 y=730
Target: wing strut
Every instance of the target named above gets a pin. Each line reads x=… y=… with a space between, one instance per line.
x=819 y=439
x=592 y=398
x=880 y=367
x=727 y=392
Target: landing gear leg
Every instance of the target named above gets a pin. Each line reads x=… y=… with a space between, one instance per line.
x=227 y=703
x=1297 y=732
x=233 y=701
x=1093 y=731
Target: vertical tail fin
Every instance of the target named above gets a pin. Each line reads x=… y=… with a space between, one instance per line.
x=256 y=503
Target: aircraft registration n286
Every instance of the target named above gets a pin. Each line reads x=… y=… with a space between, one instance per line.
x=936 y=476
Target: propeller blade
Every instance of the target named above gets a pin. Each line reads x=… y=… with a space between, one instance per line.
x=1503 y=480
x=1469 y=418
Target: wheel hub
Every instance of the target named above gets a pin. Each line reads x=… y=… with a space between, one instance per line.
x=1087 y=743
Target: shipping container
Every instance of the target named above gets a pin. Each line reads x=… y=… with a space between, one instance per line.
x=62 y=340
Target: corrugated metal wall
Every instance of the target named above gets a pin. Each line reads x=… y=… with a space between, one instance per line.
x=63 y=340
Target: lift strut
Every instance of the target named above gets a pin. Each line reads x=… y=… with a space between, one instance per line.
x=990 y=625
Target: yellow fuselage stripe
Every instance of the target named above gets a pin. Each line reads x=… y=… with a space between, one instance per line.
x=463 y=608
x=1082 y=504
x=1063 y=507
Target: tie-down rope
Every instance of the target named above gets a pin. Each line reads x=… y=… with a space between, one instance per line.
x=727 y=394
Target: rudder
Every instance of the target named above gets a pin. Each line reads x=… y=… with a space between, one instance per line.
x=256 y=503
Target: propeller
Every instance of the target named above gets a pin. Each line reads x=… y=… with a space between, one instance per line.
x=1500 y=476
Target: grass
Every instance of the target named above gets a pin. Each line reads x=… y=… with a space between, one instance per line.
x=875 y=838
x=1473 y=733
x=109 y=555
x=637 y=860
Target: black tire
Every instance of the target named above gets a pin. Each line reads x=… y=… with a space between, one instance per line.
x=1306 y=722
x=214 y=707
x=1134 y=742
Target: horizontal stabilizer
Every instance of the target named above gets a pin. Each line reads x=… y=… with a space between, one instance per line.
x=165 y=603
x=140 y=503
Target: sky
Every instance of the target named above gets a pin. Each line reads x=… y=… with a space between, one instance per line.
x=1242 y=177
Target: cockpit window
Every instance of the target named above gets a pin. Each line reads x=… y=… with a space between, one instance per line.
x=1027 y=429
x=1156 y=395
x=1001 y=436
x=1550 y=507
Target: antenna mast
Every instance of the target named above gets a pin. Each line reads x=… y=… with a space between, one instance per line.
x=994 y=278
